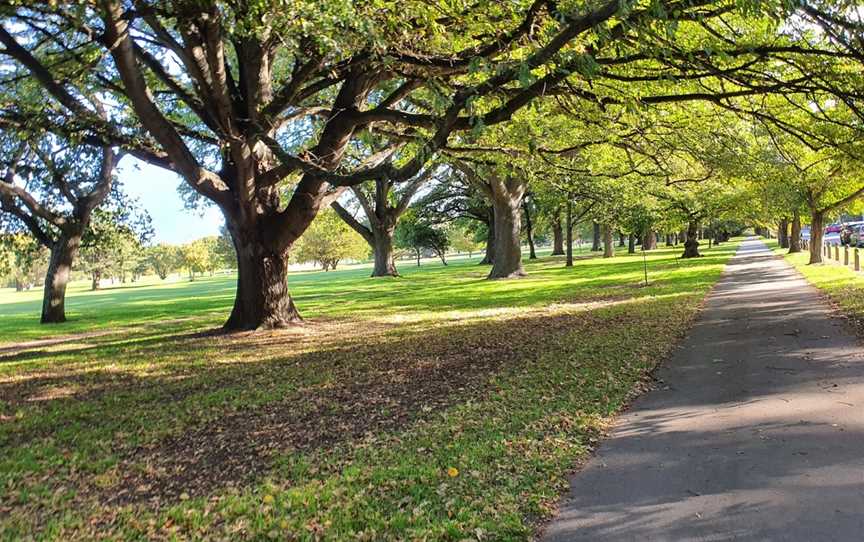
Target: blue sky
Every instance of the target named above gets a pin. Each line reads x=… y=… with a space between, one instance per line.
x=156 y=189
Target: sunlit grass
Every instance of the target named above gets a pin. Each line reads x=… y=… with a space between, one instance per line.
x=841 y=283
x=358 y=415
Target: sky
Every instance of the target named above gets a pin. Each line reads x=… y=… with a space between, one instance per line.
x=156 y=190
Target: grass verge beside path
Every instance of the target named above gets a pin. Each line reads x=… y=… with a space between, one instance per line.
x=437 y=406
x=843 y=286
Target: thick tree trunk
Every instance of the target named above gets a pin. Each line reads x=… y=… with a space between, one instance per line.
x=817 y=219
x=622 y=239
x=529 y=232
x=262 y=300
x=95 y=279
x=631 y=244
x=54 y=299
x=557 y=237
x=669 y=242
x=382 y=248
x=691 y=245
x=608 y=242
x=506 y=198
x=782 y=232
x=795 y=238
x=649 y=240
x=595 y=243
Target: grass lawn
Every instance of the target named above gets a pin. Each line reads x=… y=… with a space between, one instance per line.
x=436 y=406
x=843 y=286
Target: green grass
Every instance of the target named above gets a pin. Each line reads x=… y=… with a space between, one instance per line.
x=436 y=406
x=841 y=283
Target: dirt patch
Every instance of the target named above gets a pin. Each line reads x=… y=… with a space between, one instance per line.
x=375 y=387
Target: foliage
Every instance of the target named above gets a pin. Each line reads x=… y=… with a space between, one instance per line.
x=418 y=235
x=164 y=259
x=328 y=241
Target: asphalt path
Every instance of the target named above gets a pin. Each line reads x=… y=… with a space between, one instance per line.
x=755 y=430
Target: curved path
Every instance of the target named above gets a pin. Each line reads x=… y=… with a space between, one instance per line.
x=756 y=430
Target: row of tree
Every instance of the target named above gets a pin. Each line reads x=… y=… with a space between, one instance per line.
x=640 y=117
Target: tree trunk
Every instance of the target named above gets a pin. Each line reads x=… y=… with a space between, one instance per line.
x=649 y=240
x=817 y=219
x=506 y=198
x=569 y=227
x=595 y=243
x=631 y=244
x=557 y=236
x=383 y=251
x=622 y=239
x=529 y=232
x=95 y=279
x=691 y=245
x=262 y=300
x=489 y=256
x=669 y=242
x=795 y=238
x=54 y=299
x=417 y=252
x=19 y=286
x=608 y=242
x=782 y=232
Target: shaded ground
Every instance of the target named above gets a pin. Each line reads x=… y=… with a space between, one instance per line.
x=437 y=406
x=756 y=432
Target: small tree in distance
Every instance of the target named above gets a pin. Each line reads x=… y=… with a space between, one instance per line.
x=330 y=240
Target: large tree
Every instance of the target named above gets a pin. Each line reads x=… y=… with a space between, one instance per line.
x=256 y=105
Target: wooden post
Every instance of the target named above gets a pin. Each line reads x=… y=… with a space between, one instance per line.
x=857 y=260
x=846 y=255
x=837 y=252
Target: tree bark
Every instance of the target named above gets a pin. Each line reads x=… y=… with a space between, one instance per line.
x=631 y=244
x=669 y=242
x=262 y=300
x=529 y=232
x=782 y=232
x=54 y=299
x=691 y=245
x=622 y=241
x=817 y=219
x=489 y=255
x=649 y=240
x=382 y=249
x=595 y=243
x=557 y=236
x=506 y=195
x=795 y=238
x=95 y=278
x=608 y=242
x=569 y=227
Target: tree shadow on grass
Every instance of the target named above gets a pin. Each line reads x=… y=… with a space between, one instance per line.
x=238 y=416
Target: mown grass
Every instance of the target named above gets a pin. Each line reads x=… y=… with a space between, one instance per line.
x=435 y=406
x=843 y=286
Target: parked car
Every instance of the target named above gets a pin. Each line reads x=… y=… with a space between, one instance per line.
x=833 y=228
x=847 y=231
x=856 y=237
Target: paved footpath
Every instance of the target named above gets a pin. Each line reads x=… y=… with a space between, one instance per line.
x=756 y=430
